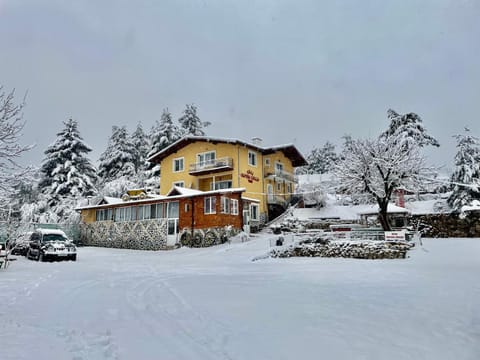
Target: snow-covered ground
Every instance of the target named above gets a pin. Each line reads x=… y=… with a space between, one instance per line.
x=216 y=303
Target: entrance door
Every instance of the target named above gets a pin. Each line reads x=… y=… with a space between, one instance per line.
x=246 y=221
x=172 y=232
x=172 y=223
x=270 y=192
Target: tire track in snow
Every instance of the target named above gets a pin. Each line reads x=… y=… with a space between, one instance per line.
x=155 y=301
x=215 y=344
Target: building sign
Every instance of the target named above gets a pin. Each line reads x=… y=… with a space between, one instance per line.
x=395 y=235
x=249 y=176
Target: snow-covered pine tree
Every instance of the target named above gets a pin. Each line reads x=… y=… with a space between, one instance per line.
x=321 y=160
x=466 y=176
x=191 y=123
x=66 y=172
x=141 y=145
x=164 y=133
x=118 y=160
x=408 y=128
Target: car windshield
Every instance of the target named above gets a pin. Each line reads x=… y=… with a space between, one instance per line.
x=54 y=237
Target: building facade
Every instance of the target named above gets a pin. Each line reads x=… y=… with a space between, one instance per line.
x=207 y=164
x=183 y=216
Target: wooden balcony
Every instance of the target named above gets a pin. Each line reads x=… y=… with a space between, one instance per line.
x=215 y=165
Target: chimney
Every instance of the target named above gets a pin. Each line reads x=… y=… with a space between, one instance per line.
x=257 y=141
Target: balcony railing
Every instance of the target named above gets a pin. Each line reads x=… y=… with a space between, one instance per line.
x=225 y=163
x=277 y=200
x=280 y=174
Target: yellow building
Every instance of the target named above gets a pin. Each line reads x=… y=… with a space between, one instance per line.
x=207 y=163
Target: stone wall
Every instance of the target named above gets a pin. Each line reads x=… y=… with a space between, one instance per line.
x=207 y=237
x=346 y=249
x=138 y=235
x=448 y=225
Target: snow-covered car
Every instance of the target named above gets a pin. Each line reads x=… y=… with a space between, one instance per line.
x=51 y=244
x=20 y=245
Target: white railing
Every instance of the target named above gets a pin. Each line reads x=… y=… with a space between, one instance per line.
x=225 y=162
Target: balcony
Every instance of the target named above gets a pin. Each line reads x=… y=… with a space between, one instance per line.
x=280 y=174
x=221 y=164
x=277 y=200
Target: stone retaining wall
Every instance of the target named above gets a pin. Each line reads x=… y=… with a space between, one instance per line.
x=448 y=225
x=356 y=250
x=137 y=235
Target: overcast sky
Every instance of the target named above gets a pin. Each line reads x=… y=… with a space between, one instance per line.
x=286 y=71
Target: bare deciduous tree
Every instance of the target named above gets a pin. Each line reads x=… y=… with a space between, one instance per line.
x=378 y=167
x=11 y=126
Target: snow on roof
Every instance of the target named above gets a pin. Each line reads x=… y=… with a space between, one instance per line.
x=163 y=197
x=289 y=149
x=342 y=212
x=112 y=200
x=391 y=209
x=424 y=207
x=183 y=191
x=475 y=206
x=250 y=199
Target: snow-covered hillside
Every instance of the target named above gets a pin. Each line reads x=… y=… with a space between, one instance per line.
x=215 y=303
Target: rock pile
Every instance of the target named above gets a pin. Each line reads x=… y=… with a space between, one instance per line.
x=346 y=249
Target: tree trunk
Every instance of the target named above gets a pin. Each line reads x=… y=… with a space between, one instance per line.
x=383 y=216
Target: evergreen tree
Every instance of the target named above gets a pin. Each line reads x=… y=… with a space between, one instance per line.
x=66 y=171
x=164 y=133
x=191 y=123
x=140 y=144
x=118 y=160
x=321 y=160
x=408 y=128
x=466 y=176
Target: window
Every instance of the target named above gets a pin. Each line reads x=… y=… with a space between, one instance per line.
x=254 y=211
x=140 y=213
x=156 y=211
x=206 y=158
x=173 y=210
x=226 y=184
x=234 y=206
x=179 y=183
x=289 y=188
x=119 y=214
x=146 y=212
x=225 y=205
x=252 y=158
x=279 y=187
x=178 y=164
x=128 y=213
x=267 y=161
x=209 y=205
x=279 y=166
x=102 y=215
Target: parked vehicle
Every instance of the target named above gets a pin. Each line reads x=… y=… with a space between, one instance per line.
x=20 y=245
x=4 y=251
x=51 y=244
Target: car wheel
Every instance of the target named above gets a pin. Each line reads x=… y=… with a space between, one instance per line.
x=74 y=257
x=41 y=257
x=29 y=255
